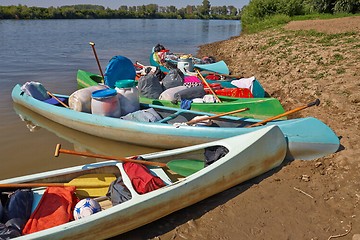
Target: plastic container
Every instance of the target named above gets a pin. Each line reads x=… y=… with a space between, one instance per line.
x=185 y=64
x=80 y=100
x=128 y=95
x=105 y=103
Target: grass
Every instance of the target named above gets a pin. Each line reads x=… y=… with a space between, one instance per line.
x=338 y=57
x=278 y=21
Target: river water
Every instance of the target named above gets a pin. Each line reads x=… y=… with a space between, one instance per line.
x=51 y=51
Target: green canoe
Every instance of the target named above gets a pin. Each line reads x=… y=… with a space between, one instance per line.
x=259 y=108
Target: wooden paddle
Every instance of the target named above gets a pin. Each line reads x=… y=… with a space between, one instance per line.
x=215 y=116
x=221 y=75
x=182 y=166
x=315 y=103
x=92 y=44
x=87 y=185
x=207 y=84
x=53 y=96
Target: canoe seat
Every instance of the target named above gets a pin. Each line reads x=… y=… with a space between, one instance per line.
x=161 y=174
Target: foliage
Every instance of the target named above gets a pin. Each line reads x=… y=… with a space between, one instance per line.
x=262 y=14
x=268 y=22
x=87 y=11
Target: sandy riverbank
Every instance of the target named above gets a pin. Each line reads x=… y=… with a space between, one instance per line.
x=301 y=199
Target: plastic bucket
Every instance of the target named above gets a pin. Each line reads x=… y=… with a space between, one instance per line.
x=105 y=103
x=128 y=96
x=185 y=64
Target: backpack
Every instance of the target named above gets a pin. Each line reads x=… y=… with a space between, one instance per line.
x=119 y=68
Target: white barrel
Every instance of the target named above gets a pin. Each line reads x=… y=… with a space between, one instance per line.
x=128 y=95
x=105 y=103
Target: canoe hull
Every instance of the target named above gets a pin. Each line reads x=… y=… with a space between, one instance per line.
x=259 y=108
x=243 y=162
x=301 y=134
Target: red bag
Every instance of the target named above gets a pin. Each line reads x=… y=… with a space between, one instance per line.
x=141 y=178
x=212 y=77
x=235 y=92
x=55 y=208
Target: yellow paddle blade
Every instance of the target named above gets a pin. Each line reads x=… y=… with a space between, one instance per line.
x=92 y=185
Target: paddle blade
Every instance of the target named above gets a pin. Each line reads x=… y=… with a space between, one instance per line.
x=92 y=185
x=185 y=167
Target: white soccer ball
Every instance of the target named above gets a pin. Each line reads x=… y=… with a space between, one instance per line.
x=86 y=207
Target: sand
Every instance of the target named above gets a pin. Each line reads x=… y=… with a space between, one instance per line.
x=316 y=199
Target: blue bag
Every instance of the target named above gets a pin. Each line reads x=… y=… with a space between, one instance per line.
x=119 y=68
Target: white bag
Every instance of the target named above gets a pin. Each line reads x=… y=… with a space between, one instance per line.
x=36 y=90
x=80 y=100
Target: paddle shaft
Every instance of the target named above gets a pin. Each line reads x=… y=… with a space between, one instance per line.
x=85 y=154
x=216 y=116
x=221 y=75
x=53 y=96
x=97 y=60
x=207 y=84
x=315 y=103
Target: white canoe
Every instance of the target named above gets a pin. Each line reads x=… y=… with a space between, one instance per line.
x=249 y=155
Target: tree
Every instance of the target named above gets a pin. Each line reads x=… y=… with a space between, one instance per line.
x=205 y=8
x=233 y=11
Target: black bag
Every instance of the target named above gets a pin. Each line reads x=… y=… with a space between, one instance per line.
x=118 y=192
x=149 y=86
x=174 y=78
x=1 y=210
x=190 y=93
x=158 y=47
x=214 y=153
x=16 y=213
x=159 y=73
x=8 y=232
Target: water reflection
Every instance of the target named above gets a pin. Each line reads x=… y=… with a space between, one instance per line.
x=82 y=142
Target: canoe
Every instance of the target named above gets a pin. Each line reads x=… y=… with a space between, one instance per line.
x=259 y=108
x=218 y=68
x=248 y=156
x=307 y=138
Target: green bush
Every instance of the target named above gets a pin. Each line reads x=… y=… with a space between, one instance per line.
x=262 y=14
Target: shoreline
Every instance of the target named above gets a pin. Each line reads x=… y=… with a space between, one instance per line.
x=316 y=199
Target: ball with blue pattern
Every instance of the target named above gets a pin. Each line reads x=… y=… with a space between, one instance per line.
x=86 y=207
